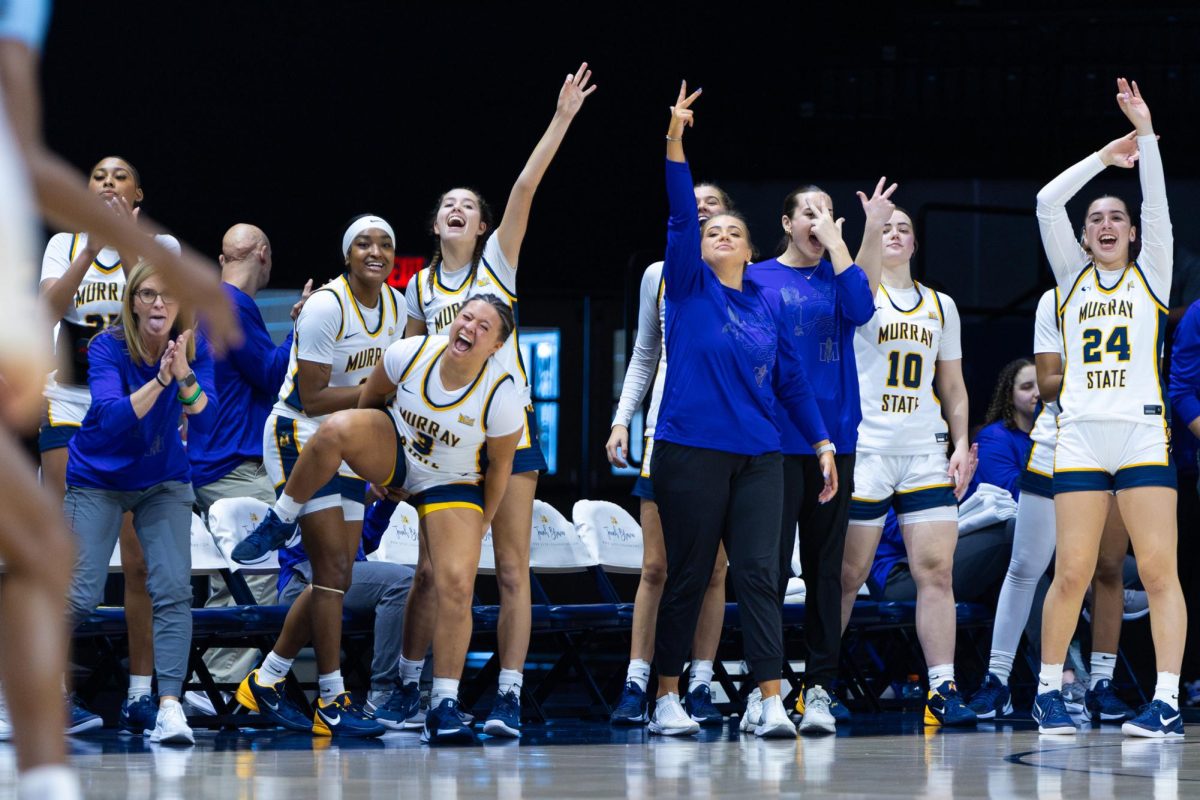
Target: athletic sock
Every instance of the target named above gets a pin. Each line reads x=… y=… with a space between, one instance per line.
x=274 y=669
x=1167 y=689
x=1000 y=665
x=139 y=686
x=510 y=681
x=1103 y=666
x=286 y=508
x=331 y=685
x=638 y=672
x=443 y=689
x=939 y=674
x=410 y=671
x=701 y=674
x=1050 y=678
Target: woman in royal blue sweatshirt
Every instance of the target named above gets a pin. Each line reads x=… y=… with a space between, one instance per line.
x=717 y=468
x=128 y=456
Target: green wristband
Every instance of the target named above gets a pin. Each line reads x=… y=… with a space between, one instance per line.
x=187 y=401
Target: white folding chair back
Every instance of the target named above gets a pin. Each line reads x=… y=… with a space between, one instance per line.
x=400 y=543
x=233 y=519
x=556 y=545
x=207 y=558
x=617 y=537
x=796 y=555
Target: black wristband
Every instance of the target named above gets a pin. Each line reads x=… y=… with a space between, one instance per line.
x=159 y=381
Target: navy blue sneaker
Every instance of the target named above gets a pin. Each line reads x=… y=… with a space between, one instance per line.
x=270 y=701
x=699 y=706
x=632 y=708
x=1050 y=713
x=1155 y=720
x=444 y=725
x=270 y=535
x=505 y=718
x=1103 y=705
x=402 y=711
x=343 y=717
x=945 y=706
x=993 y=699
x=838 y=709
x=79 y=719
x=138 y=716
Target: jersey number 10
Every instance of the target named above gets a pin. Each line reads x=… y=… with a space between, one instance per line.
x=912 y=370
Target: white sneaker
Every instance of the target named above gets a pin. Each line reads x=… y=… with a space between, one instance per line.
x=817 y=717
x=171 y=725
x=200 y=703
x=753 y=712
x=774 y=723
x=670 y=719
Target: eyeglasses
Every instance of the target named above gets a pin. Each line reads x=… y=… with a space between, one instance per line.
x=148 y=296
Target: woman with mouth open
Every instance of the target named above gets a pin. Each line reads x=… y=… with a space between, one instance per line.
x=1113 y=435
x=429 y=408
x=341 y=334
x=471 y=259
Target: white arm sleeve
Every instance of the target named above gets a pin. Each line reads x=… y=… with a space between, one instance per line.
x=1157 y=239
x=398 y=355
x=57 y=257
x=169 y=242
x=317 y=328
x=1066 y=257
x=1046 y=338
x=506 y=273
x=412 y=297
x=950 y=347
x=506 y=414
x=646 y=347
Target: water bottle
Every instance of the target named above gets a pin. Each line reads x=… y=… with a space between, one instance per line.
x=912 y=691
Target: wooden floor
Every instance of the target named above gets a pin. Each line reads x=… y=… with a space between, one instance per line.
x=880 y=756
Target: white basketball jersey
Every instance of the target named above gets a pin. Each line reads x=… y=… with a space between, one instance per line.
x=1046 y=339
x=352 y=340
x=435 y=299
x=445 y=431
x=660 y=376
x=897 y=351
x=1113 y=344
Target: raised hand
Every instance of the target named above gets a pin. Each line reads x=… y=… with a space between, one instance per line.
x=1129 y=100
x=574 y=91
x=304 y=294
x=682 y=115
x=878 y=207
x=827 y=230
x=179 y=363
x=165 y=373
x=1121 y=152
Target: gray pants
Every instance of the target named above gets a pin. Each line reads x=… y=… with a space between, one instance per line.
x=249 y=479
x=162 y=519
x=376 y=586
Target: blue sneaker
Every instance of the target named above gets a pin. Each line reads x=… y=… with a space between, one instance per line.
x=270 y=701
x=1050 y=713
x=505 y=719
x=993 y=699
x=1155 y=720
x=343 y=717
x=1103 y=705
x=632 y=708
x=270 y=535
x=945 y=706
x=402 y=711
x=444 y=725
x=79 y=719
x=138 y=716
x=699 y=706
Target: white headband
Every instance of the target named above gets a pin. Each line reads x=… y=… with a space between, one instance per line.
x=363 y=224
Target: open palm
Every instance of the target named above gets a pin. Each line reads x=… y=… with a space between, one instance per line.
x=575 y=90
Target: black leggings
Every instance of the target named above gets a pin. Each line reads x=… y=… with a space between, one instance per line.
x=705 y=497
x=822 y=547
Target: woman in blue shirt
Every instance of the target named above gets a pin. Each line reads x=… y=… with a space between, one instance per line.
x=128 y=456
x=1004 y=441
x=717 y=468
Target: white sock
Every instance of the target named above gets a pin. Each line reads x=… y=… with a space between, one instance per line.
x=410 y=671
x=286 y=508
x=331 y=685
x=669 y=697
x=49 y=780
x=638 y=672
x=510 y=681
x=274 y=669
x=1001 y=664
x=1050 y=678
x=701 y=674
x=443 y=689
x=167 y=702
x=1103 y=666
x=939 y=674
x=139 y=686
x=1167 y=689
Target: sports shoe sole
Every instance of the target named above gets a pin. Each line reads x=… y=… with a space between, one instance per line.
x=175 y=738
x=449 y=736
x=780 y=730
x=1061 y=731
x=630 y=722
x=1129 y=729
x=497 y=727
x=683 y=731
x=82 y=727
x=818 y=727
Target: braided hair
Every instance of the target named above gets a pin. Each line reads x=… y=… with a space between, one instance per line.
x=1001 y=407
x=485 y=216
